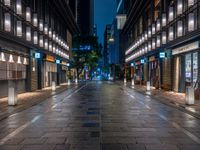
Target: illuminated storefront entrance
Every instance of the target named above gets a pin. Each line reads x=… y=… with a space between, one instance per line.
x=186 y=67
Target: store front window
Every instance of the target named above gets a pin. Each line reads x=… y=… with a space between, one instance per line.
x=188 y=68
x=195 y=68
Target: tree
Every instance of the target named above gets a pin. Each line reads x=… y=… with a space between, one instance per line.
x=86 y=52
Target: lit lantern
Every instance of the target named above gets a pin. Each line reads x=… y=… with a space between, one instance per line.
x=7 y=2
x=180 y=28
x=19 y=61
x=35 y=20
x=41 y=43
x=46 y=29
x=28 y=33
x=54 y=48
x=19 y=28
x=46 y=44
x=149 y=32
x=153 y=29
x=11 y=60
x=158 y=41
x=50 y=33
x=190 y=3
x=35 y=38
x=158 y=25
x=164 y=37
x=146 y=48
x=149 y=46
x=191 y=22
x=7 y=22
x=179 y=7
x=19 y=7
x=57 y=38
x=3 y=58
x=171 y=13
x=50 y=46
x=153 y=43
x=142 y=39
x=171 y=34
x=28 y=14
x=54 y=35
x=25 y=61
x=41 y=25
x=164 y=20
x=146 y=35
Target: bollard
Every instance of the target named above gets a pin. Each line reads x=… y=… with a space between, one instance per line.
x=132 y=82
x=53 y=85
x=12 y=96
x=148 y=86
x=76 y=81
x=125 y=81
x=68 y=82
x=189 y=97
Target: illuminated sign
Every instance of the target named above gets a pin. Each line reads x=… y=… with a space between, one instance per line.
x=50 y=58
x=162 y=54
x=186 y=48
x=132 y=64
x=37 y=55
x=57 y=61
x=63 y=63
x=142 y=61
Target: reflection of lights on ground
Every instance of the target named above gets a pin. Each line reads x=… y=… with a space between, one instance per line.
x=191 y=109
x=148 y=92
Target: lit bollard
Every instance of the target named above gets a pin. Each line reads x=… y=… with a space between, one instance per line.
x=148 y=86
x=76 y=81
x=68 y=82
x=132 y=82
x=125 y=81
x=53 y=86
x=189 y=97
x=12 y=96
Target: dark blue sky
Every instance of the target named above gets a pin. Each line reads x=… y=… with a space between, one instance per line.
x=104 y=12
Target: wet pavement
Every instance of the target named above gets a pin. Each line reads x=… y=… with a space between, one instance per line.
x=100 y=116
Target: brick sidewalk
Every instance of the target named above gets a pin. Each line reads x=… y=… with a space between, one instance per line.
x=26 y=100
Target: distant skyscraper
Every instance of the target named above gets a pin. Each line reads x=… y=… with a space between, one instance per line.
x=95 y=30
x=85 y=16
x=107 y=35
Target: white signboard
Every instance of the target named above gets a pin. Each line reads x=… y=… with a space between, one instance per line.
x=186 y=48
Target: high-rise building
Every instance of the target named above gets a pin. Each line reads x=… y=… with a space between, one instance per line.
x=85 y=16
x=107 y=35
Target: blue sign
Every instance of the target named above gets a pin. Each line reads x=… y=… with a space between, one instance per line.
x=132 y=64
x=57 y=61
x=37 y=55
x=162 y=54
x=142 y=61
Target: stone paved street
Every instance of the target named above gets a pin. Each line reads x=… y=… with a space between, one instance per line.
x=100 y=116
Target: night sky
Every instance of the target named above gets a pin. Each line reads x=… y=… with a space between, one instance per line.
x=104 y=14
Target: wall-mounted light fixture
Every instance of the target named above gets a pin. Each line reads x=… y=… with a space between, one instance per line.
x=19 y=28
x=28 y=33
x=18 y=7
x=7 y=22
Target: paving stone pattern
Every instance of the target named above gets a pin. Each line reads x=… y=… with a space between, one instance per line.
x=100 y=116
